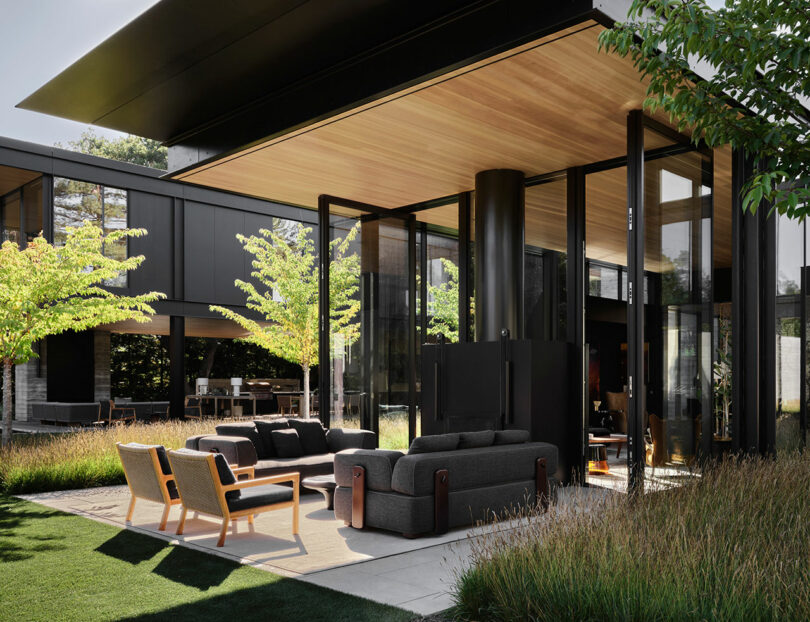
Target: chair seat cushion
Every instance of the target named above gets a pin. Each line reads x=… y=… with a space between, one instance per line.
x=259 y=496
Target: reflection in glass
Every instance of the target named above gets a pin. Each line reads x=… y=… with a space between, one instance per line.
x=10 y=217
x=789 y=262
x=77 y=201
x=32 y=202
x=679 y=311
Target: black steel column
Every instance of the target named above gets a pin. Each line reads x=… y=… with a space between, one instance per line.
x=767 y=291
x=575 y=286
x=177 y=367
x=499 y=239
x=47 y=207
x=635 y=299
x=464 y=201
x=412 y=335
x=324 y=358
x=745 y=314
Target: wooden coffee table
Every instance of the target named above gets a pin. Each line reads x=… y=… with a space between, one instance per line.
x=613 y=439
x=324 y=484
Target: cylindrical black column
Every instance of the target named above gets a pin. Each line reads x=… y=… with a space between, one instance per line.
x=499 y=225
x=177 y=368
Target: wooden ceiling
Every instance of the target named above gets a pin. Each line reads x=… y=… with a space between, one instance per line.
x=554 y=103
x=12 y=178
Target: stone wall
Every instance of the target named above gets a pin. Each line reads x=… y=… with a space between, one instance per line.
x=101 y=365
x=30 y=384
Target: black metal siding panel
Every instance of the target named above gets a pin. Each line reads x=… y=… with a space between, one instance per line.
x=229 y=257
x=198 y=255
x=154 y=213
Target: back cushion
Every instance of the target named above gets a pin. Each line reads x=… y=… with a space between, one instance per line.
x=312 y=436
x=510 y=437
x=437 y=442
x=248 y=430
x=470 y=440
x=226 y=476
x=265 y=428
x=287 y=443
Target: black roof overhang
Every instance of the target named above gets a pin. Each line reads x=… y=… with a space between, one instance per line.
x=228 y=75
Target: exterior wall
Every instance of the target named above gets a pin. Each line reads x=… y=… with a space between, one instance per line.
x=30 y=385
x=101 y=365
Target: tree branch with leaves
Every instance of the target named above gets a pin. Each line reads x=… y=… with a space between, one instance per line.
x=758 y=52
x=285 y=268
x=46 y=290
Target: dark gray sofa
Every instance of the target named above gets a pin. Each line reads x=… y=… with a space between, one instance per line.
x=252 y=444
x=444 y=481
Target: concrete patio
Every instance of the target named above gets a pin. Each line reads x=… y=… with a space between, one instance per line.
x=416 y=575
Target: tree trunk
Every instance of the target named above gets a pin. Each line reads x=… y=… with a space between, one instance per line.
x=210 y=355
x=7 y=364
x=305 y=401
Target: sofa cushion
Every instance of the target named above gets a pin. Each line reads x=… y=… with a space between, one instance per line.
x=510 y=437
x=312 y=436
x=248 y=430
x=378 y=463
x=237 y=450
x=259 y=496
x=287 y=443
x=339 y=439
x=435 y=442
x=470 y=440
x=472 y=468
x=265 y=429
x=307 y=466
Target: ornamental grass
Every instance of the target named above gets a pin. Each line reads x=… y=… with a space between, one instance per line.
x=732 y=543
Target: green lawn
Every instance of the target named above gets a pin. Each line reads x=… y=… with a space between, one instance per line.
x=58 y=566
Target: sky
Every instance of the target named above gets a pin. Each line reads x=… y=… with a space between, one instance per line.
x=39 y=39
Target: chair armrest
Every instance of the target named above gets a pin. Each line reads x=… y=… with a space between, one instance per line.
x=339 y=439
x=236 y=449
x=250 y=471
x=263 y=481
x=378 y=463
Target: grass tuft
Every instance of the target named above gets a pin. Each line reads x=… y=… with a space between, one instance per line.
x=728 y=545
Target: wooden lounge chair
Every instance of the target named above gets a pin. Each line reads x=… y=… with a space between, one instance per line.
x=149 y=476
x=192 y=408
x=208 y=485
x=109 y=413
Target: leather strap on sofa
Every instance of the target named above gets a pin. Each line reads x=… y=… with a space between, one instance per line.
x=358 y=497
x=441 y=508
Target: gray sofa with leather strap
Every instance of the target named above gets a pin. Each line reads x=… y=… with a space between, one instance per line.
x=444 y=481
x=275 y=446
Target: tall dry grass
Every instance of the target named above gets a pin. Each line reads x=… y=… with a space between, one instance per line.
x=85 y=458
x=732 y=544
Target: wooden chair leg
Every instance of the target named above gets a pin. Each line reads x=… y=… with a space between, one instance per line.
x=181 y=525
x=131 y=509
x=295 y=510
x=164 y=518
x=250 y=519
x=223 y=532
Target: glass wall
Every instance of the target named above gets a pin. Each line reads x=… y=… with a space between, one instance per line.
x=679 y=315
x=369 y=300
x=10 y=217
x=77 y=201
x=32 y=204
x=790 y=255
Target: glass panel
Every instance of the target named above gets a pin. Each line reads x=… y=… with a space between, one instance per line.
x=32 y=201
x=789 y=261
x=369 y=367
x=606 y=319
x=679 y=314
x=77 y=201
x=546 y=238
x=10 y=225
x=722 y=254
x=442 y=273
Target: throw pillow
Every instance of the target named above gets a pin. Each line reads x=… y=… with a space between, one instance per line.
x=470 y=440
x=287 y=443
x=265 y=428
x=511 y=437
x=312 y=436
x=247 y=430
x=430 y=444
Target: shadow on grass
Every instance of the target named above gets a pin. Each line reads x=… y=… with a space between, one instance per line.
x=192 y=569
x=131 y=547
x=16 y=547
x=280 y=601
